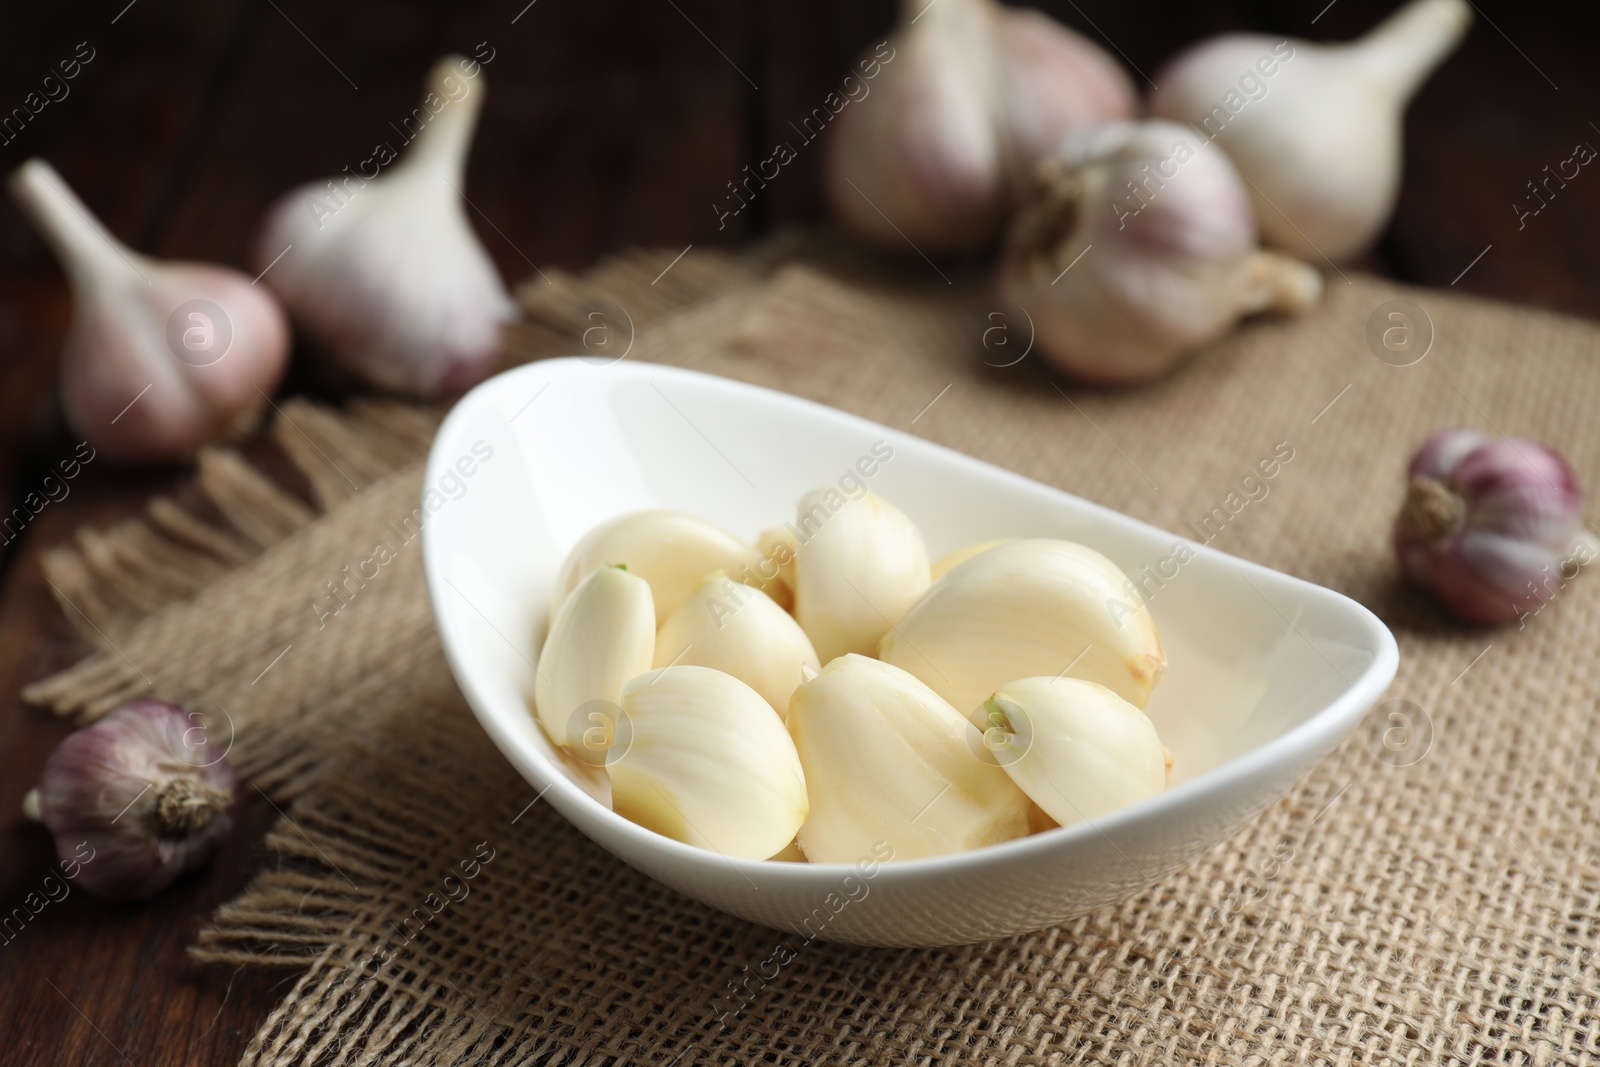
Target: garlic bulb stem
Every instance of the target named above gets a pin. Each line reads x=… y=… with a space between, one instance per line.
x=86 y=250
x=1402 y=50
x=440 y=148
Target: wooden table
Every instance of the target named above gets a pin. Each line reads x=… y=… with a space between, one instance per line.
x=608 y=124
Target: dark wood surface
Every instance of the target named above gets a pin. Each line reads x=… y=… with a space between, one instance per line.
x=608 y=124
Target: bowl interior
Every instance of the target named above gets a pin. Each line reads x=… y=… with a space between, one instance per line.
x=530 y=461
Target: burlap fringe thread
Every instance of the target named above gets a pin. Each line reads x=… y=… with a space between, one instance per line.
x=1445 y=911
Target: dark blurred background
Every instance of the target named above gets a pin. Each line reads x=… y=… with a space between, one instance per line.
x=608 y=124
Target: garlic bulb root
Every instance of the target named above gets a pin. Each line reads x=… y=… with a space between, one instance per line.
x=1137 y=247
x=161 y=357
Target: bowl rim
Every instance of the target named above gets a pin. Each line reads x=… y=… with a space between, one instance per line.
x=1308 y=740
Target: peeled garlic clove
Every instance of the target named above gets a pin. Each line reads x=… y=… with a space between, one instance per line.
x=887 y=760
x=947 y=562
x=161 y=358
x=603 y=635
x=1315 y=128
x=1029 y=608
x=738 y=630
x=1493 y=525
x=957 y=106
x=386 y=272
x=707 y=763
x=1075 y=748
x=1138 y=246
x=136 y=799
x=671 y=550
x=859 y=564
x=777 y=547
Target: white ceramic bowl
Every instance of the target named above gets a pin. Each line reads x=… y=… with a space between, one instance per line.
x=1266 y=672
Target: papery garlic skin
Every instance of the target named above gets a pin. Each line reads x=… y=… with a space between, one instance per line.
x=603 y=635
x=672 y=550
x=124 y=387
x=1492 y=525
x=1036 y=607
x=859 y=564
x=1137 y=246
x=887 y=760
x=1075 y=748
x=738 y=630
x=1321 y=147
x=144 y=791
x=386 y=273
x=708 y=763
x=967 y=98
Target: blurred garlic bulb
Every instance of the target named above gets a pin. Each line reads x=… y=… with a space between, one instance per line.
x=707 y=763
x=385 y=272
x=1075 y=748
x=603 y=635
x=738 y=630
x=161 y=357
x=1138 y=247
x=887 y=760
x=1492 y=525
x=859 y=564
x=671 y=550
x=1039 y=607
x=1316 y=129
x=967 y=99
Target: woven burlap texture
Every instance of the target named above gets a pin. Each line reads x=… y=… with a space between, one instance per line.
x=1430 y=894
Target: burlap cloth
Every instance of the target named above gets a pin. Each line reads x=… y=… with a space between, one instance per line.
x=1434 y=899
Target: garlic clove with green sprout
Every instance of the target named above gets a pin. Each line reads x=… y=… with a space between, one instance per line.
x=956 y=112
x=707 y=762
x=1492 y=525
x=672 y=550
x=385 y=272
x=161 y=357
x=1137 y=247
x=144 y=790
x=1315 y=129
x=859 y=564
x=739 y=630
x=1075 y=748
x=887 y=760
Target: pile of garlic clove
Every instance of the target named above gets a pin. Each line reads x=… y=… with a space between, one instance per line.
x=831 y=690
x=1130 y=243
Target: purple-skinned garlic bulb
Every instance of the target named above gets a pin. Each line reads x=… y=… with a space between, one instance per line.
x=1492 y=525
x=145 y=789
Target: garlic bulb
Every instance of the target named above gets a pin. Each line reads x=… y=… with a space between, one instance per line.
x=1493 y=525
x=859 y=564
x=385 y=271
x=708 y=763
x=671 y=550
x=1314 y=128
x=1075 y=748
x=968 y=97
x=738 y=630
x=947 y=562
x=161 y=357
x=603 y=635
x=887 y=760
x=145 y=790
x=1039 y=607
x=1138 y=246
